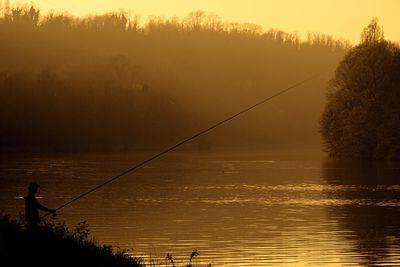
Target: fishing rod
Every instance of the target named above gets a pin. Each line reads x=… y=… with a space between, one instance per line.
x=173 y=147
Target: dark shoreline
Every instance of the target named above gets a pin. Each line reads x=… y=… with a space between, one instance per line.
x=53 y=244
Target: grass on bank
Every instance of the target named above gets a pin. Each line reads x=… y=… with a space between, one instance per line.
x=54 y=244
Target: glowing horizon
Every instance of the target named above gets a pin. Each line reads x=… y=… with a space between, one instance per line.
x=341 y=19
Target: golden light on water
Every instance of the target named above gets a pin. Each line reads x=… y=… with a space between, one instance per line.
x=340 y=18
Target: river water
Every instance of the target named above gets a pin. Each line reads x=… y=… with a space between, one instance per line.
x=237 y=208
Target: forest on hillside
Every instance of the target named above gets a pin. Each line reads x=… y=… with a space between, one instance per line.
x=113 y=82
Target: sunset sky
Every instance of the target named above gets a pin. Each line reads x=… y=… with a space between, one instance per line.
x=340 y=18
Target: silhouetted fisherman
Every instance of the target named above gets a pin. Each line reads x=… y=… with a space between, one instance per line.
x=32 y=206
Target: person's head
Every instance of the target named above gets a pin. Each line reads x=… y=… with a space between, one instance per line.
x=33 y=187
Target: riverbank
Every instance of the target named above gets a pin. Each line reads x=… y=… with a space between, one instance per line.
x=53 y=244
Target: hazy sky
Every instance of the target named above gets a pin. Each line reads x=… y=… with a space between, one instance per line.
x=340 y=18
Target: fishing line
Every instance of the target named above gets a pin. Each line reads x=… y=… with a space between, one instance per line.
x=185 y=141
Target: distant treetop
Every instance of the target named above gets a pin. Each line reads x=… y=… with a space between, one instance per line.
x=373 y=33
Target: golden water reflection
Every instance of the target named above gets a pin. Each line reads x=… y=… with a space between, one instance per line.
x=237 y=209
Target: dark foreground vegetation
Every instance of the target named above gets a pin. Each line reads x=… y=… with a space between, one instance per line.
x=362 y=115
x=53 y=244
x=111 y=82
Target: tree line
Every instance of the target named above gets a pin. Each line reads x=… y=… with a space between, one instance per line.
x=113 y=82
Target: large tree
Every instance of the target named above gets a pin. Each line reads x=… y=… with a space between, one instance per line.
x=362 y=114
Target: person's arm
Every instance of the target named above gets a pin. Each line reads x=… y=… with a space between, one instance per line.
x=41 y=207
